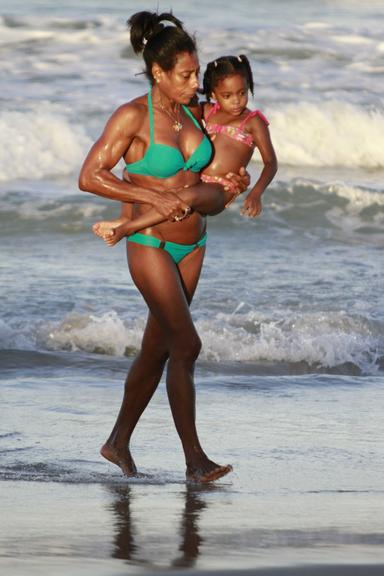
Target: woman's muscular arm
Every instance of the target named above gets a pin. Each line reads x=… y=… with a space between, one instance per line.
x=96 y=175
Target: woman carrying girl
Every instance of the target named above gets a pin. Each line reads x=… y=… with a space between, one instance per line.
x=235 y=132
x=164 y=149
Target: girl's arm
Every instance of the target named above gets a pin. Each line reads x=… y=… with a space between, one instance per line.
x=252 y=204
x=96 y=176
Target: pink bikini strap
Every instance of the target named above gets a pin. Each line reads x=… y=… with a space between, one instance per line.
x=212 y=111
x=252 y=115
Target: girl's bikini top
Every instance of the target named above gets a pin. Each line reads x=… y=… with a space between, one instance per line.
x=236 y=132
x=163 y=161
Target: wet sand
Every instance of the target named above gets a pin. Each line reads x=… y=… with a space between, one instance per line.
x=157 y=526
x=104 y=569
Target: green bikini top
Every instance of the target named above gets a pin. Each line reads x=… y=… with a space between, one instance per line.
x=163 y=161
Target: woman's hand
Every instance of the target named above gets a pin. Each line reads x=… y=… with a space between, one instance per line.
x=169 y=205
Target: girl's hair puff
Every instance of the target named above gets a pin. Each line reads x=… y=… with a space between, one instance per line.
x=223 y=67
x=160 y=44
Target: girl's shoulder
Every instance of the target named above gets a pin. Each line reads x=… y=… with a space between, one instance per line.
x=207 y=109
x=256 y=117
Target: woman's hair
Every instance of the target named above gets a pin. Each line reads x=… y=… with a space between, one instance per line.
x=223 y=67
x=160 y=44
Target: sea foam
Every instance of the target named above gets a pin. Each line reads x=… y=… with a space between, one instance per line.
x=40 y=142
x=331 y=133
x=321 y=340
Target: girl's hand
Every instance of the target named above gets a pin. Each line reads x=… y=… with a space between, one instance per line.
x=252 y=206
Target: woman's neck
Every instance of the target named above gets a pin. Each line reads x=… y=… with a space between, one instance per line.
x=160 y=99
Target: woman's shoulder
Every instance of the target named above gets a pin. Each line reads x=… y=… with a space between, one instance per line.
x=133 y=112
x=195 y=108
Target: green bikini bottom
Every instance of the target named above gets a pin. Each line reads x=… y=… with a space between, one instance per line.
x=177 y=251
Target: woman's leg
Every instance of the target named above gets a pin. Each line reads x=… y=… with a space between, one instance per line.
x=168 y=293
x=147 y=368
x=140 y=385
x=162 y=286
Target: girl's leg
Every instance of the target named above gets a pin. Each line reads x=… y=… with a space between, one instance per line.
x=103 y=227
x=208 y=199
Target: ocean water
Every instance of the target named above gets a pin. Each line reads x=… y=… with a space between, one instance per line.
x=289 y=306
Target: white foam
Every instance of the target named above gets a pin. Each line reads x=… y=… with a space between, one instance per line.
x=33 y=29
x=325 y=340
x=357 y=197
x=69 y=213
x=331 y=133
x=352 y=39
x=316 y=25
x=105 y=334
x=19 y=35
x=40 y=142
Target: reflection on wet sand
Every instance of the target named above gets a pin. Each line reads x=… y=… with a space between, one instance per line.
x=125 y=540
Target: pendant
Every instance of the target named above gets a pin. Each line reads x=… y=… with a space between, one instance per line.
x=177 y=126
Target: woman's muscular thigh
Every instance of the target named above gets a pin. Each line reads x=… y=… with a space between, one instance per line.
x=154 y=338
x=161 y=285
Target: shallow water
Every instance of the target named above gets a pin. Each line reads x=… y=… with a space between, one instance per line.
x=306 y=487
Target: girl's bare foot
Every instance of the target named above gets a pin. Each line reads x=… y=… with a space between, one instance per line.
x=104 y=227
x=206 y=471
x=115 y=235
x=121 y=458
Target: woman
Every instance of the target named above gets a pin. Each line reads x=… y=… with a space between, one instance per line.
x=164 y=149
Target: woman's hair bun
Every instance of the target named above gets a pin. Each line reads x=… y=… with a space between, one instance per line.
x=144 y=25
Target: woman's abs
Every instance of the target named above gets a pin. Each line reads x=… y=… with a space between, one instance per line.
x=188 y=231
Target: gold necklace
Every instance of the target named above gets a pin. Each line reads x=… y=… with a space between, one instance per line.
x=176 y=117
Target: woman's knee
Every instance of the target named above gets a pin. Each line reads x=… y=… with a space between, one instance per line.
x=185 y=348
x=154 y=350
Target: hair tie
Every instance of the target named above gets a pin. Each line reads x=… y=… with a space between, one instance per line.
x=239 y=58
x=215 y=63
x=144 y=41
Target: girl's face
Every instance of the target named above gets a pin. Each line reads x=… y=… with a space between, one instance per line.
x=232 y=94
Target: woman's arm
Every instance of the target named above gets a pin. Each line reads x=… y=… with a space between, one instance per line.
x=259 y=130
x=207 y=199
x=96 y=176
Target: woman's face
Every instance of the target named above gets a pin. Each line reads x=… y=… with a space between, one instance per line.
x=180 y=83
x=232 y=94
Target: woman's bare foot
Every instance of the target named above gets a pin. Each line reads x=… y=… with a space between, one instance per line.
x=104 y=227
x=121 y=458
x=206 y=471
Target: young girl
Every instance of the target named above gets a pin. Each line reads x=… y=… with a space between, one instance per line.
x=235 y=132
